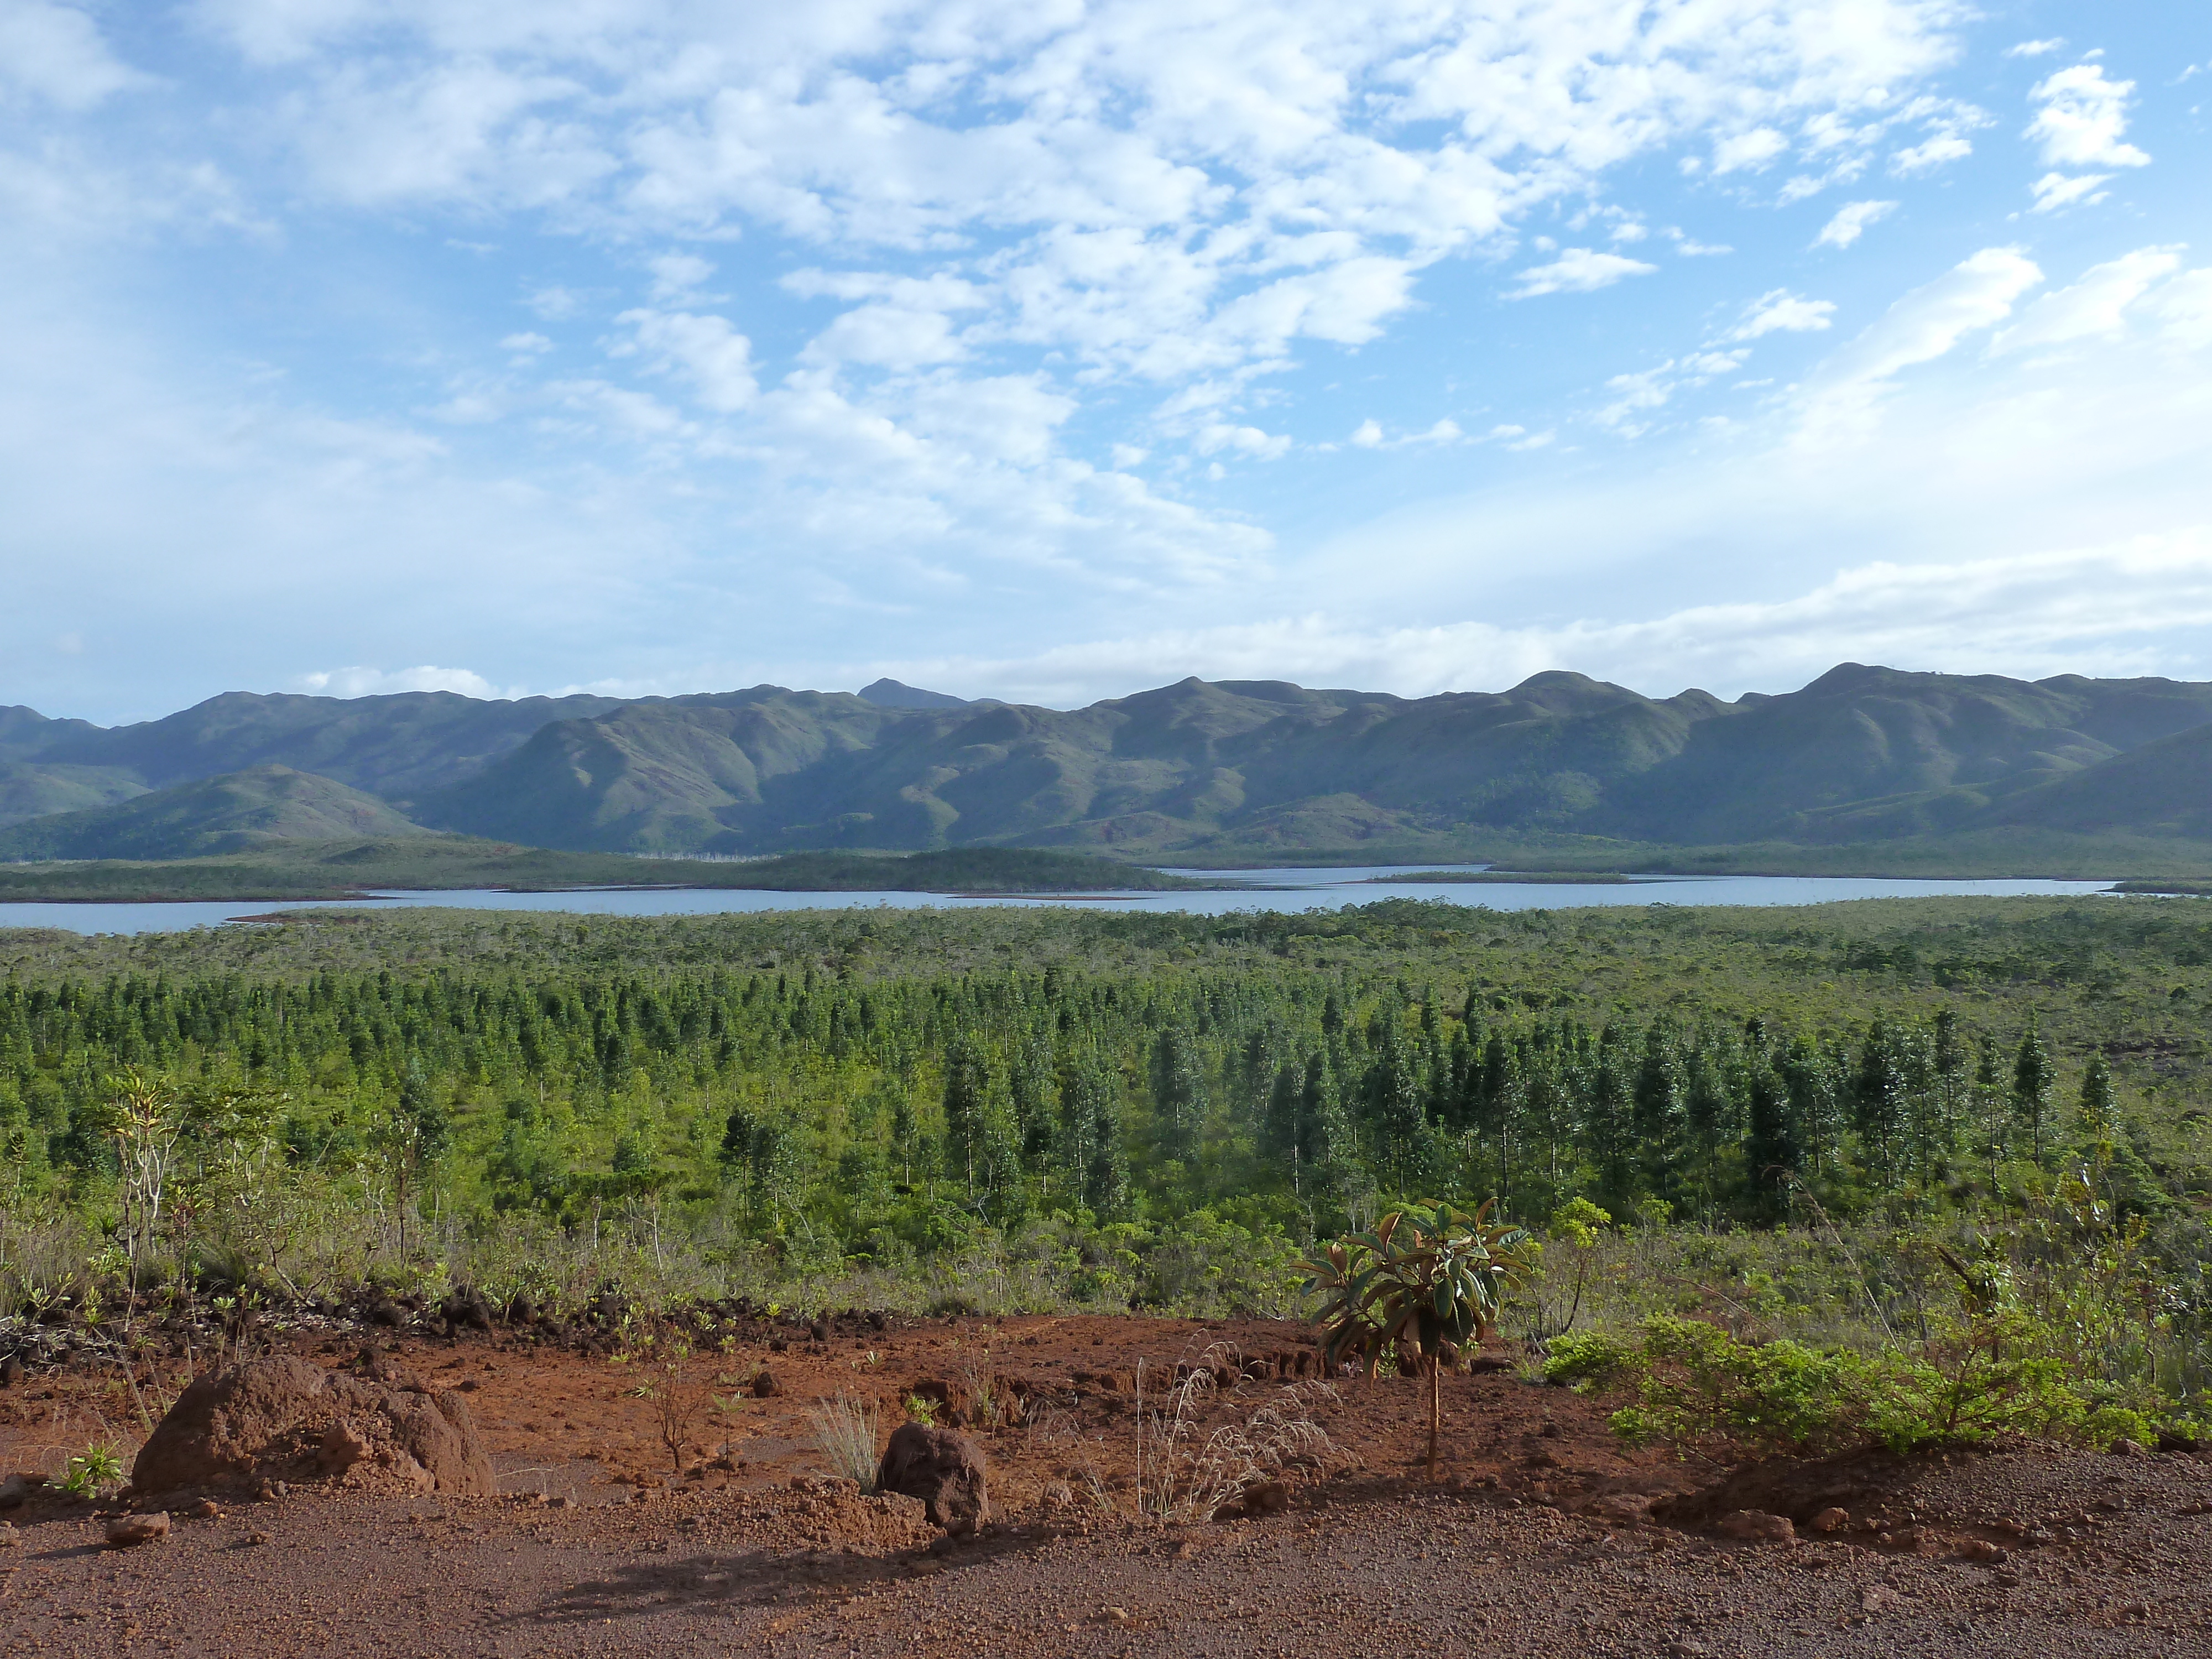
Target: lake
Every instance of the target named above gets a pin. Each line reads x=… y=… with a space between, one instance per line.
x=1277 y=889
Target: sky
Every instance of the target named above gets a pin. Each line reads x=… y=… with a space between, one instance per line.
x=1049 y=351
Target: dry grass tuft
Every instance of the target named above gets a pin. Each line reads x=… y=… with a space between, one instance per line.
x=1187 y=1472
x=845 y=1432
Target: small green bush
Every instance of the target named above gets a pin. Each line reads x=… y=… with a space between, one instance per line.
x=1974 y=1378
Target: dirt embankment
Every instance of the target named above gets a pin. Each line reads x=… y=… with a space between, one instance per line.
x=685 y=1502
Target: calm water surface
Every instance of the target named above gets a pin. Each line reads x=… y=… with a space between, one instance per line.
x=1281 y=890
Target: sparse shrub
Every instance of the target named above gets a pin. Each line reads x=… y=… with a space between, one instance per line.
x=1186 y=1471
x=90 y=1470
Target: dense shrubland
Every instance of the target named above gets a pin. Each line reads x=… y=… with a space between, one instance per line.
x=1772 y=1111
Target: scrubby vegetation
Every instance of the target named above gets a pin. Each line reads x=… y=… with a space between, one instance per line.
x=1782 y=1118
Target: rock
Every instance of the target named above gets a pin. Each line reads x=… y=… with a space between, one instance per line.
x=128 y=1531
x=466 y=1309
x=2125 y=1447
x=944 y=1469
x=264 y=1424
x=9 y=1538
x=1980 y=1549
x=1831 y=1519
x=206 y=1509
x=1757 y=1526
x=1268 y=1497
x=383 y=1310
x=1058 y=1495
x=765 y=1387
x=11 y=1372
x=15 y=1491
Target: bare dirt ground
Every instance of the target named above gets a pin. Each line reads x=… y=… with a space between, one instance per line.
x=1545 y=1536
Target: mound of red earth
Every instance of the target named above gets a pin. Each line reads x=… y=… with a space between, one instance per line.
x=283 y=1419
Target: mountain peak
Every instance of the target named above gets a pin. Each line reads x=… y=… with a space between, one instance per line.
x=888 y=693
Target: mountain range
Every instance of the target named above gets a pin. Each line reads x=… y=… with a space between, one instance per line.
x=1207 y=772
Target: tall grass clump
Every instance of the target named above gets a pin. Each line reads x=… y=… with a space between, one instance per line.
x=845 y=1434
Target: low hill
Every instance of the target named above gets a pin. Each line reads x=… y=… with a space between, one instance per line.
x=235 y=813
x=300 y=869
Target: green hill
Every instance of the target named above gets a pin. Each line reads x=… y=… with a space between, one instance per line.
x=1867 y=768
x=235 y=813
x=1263 y=769
x=394 y=747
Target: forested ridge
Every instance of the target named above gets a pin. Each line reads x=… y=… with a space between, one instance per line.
x=1149 y=1099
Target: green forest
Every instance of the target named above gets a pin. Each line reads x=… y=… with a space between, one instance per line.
x=1114 y=1110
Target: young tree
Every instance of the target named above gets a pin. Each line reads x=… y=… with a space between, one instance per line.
x=1178 y=1093
x=2031 y=1086
x=1427 y=1282
x=1772 y=1149
x=2098 y=1116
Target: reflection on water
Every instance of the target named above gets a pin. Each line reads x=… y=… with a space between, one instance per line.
x=1282 y=889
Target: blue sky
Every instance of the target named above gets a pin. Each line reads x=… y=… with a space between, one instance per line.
x=1048 y=351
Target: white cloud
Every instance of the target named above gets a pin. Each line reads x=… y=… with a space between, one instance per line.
x=2185 y=307
x=1578 y=271
x=377 y=682
x=1689 y=248
x=555 y=303
x=1841 y=396
x=676 y=275
x=55 y=53
x=1945 y=147
x=1781 y=310
x=2080 y=119
x=1368 y=434
x=1637 y=396
x=1217 y=435
x=2094 y=308
x=526 y=344
x=705 y=350
x=2037 y=614
x=2054 y=191
x=1752 y=149
x=2033 y=48
x=1851 y=222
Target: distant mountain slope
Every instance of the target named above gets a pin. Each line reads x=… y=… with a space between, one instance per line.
x=1862 y=754
x=2163 y=789
x=209 y=816
x=394 y=746
x=1867 y=754
x=1246 y=769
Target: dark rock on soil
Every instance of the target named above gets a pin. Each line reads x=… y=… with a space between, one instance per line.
x=944 y=1469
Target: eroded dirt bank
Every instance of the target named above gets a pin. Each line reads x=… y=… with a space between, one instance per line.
x=1540 y=1541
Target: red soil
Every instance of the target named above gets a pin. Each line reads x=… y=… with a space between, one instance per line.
x=1538 y=1539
